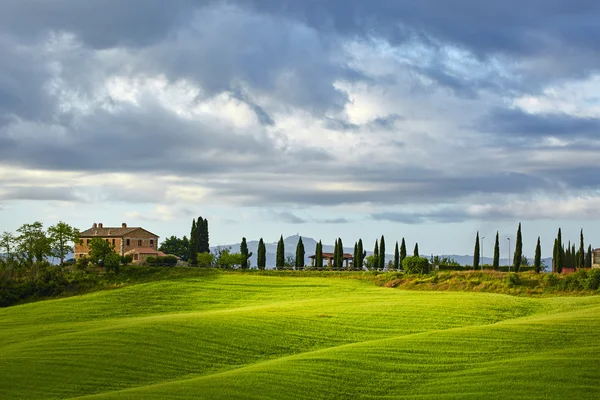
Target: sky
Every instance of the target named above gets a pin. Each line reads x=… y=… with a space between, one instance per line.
x=428 y=120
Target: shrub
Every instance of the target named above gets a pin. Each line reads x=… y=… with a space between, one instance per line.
x=415 y=265
x=126 y=260
x=112 y=262
x=513 y=280
x=593 y=280
x=82 y=263
x=205 y=259
x=168 y=260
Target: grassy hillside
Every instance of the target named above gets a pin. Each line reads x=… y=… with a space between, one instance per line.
x=222 y=335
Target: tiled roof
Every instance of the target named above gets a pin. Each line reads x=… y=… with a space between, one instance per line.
x=331 y=255
x=109 y=231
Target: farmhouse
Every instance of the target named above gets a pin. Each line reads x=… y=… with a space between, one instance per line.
x=329 y=257
x=134 y=241
x=596 y=258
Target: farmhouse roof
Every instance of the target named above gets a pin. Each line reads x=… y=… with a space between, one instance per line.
x=104 y=231
x=145 y=250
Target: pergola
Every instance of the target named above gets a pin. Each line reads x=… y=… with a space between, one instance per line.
x=330 y=256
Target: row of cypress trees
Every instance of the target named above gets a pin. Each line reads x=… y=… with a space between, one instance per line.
x=517 y=257
x=569 y=257
x=199 y=240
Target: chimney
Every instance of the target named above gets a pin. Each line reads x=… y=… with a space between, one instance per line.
x=100 y=225
x=123 y=225
x=95 y=225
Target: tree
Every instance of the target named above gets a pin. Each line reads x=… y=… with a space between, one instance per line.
x=193 y=250
x=229 y=260
x=376 y=255
x=112 y=261
x=7 y=244
x=300 y=255
x=476 y=253
x=588 y=257
x=205 y=260
x=244 y=253
x=416 y=251
x=568 y=256
x=382 y=253
x=32 y=243
x=554 y=255
x=518 y=256
x=355 y=255
x=497 y=253
x=340 y=254
x=415 y=265
x=402 y=251
x=396 y=257
x=100 y=249
x=319 y=256
x=261 y=256
x=560 y=253
x=178 y=247
x=581 y=253
x=62 y=239
x=280 y=257
x=371 y=262
x=537 y=263
x=361 y=256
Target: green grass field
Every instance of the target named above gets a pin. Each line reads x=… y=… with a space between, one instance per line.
x=247 y=336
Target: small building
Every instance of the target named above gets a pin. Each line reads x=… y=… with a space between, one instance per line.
x=329 y=257
x=134 y=241
x=596 y=258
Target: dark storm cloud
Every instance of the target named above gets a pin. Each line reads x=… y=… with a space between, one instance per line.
x=516 y=122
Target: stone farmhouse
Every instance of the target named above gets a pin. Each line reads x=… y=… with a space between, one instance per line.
x=134 y=241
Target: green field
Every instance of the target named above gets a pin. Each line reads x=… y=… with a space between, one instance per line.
x=248 y=336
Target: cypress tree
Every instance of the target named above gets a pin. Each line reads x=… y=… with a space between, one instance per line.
x=340 y=254
x=361 y=256
x=497 y=253
x=376 y=255
x=573 y=256
x=319 y=256
x=244 y=253
x=476 y=253
x=518 y=250
x=581 y=263
x=402 y=251
x=300 y=255
x=355 y=255
x=261 y=256
x=200 y=235
x=280 y=258
x=560 y=253
x=336 y=254
x=416 y=251
x=554 y=255
x=193 y=249
x=537 y=263
x=568 y=255
x=588 y=257
x=396 y=257
x=382 y=253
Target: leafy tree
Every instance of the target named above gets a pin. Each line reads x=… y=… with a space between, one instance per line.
x=476 y=253
x=376 y=255
x=290 y=261
x=244 y=253
x=319 y=256
x=396 y=257
x=518 y=250
x=381 y=259
x=581 y=253
x=32 y=243
x=229 y=260
x=497 y=253
x=7 y=246
x=537 y=263
x=300 y=255
x=416 y=251
x=588 y=257
x=402 y=251
x=280 y=257
x=62 y=239
x=205 y=260
x=371 y=262
x=415 y=265
x=128 y=259
x=524 y=261
x=261 y=256
x=112 y=261
x=178 y=247
x=99 y=251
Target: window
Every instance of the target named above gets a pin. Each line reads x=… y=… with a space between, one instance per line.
x=88 y=242
x=113 y=242
x=106 y=240
x=135 y=257
x=127 y=242
x=139 y=242
x=151 y=242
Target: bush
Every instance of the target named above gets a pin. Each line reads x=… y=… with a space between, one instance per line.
x=513 y=280
x=168 y=260
x=415 y=265
x=126 y=260
x=205 y=260
x=82 y=263
x=593 y=280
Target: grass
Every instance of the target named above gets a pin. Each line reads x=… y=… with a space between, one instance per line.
x=224 y=335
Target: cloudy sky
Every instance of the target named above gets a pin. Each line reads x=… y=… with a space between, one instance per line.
x=429 y=120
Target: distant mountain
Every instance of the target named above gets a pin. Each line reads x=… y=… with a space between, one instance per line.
x=291 y=242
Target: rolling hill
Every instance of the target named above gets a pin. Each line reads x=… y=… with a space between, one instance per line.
x=225 y=335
